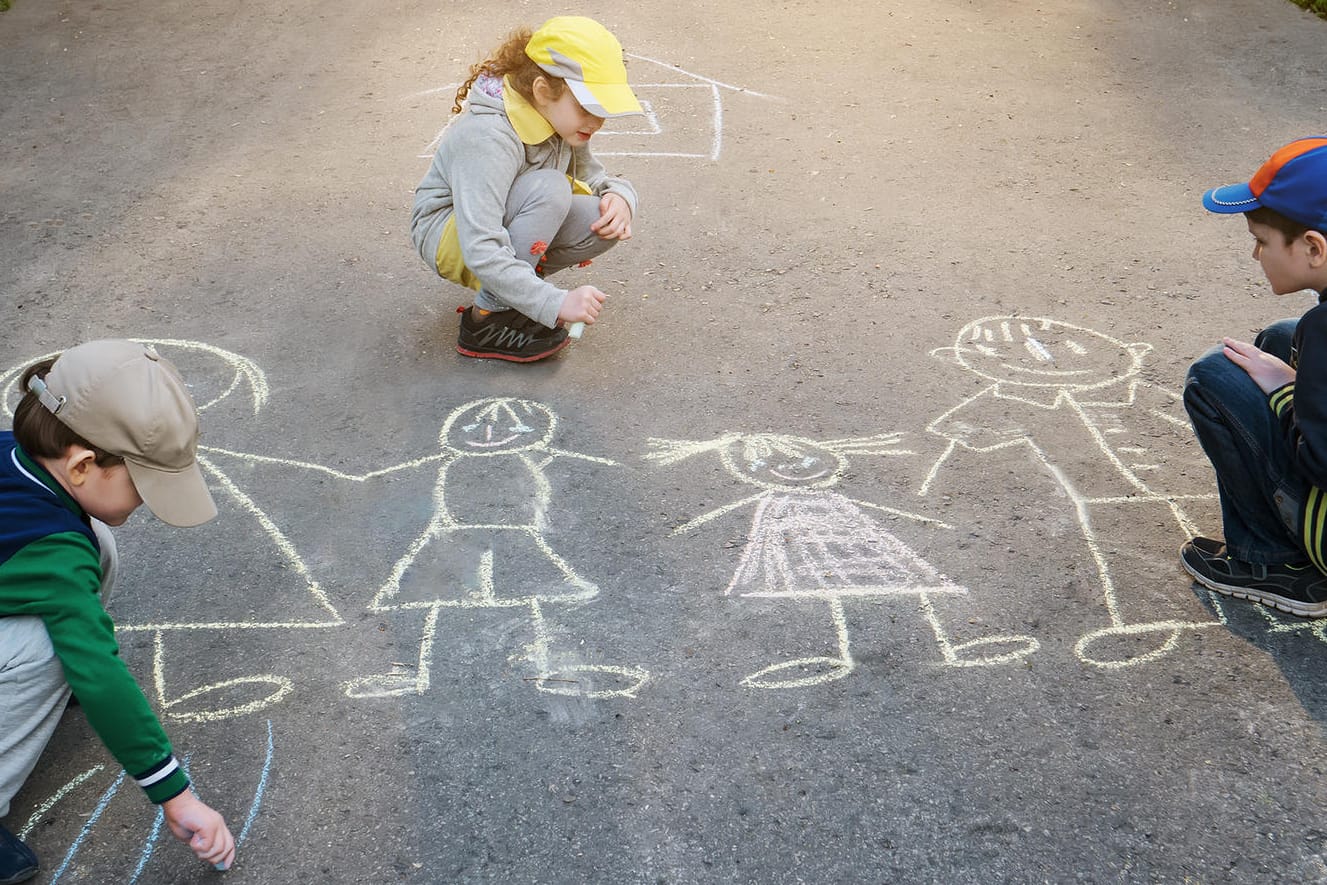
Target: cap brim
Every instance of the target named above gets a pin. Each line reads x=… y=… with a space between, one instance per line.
x=605 y=99
x=1230 y=199
x=179 y=497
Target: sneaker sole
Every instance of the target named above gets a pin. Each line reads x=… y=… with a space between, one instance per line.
x=511 y=358
x=1280 y=603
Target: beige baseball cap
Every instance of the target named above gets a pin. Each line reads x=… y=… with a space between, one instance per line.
x=125 y=398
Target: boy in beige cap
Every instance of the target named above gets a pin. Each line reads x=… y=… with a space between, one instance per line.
x=102 y=428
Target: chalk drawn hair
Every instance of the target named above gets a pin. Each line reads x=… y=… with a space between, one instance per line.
x=1031 y=352
x=523 y=424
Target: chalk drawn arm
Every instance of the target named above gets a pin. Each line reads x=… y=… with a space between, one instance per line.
x=905 y=514
x=322 y=468
x=713 y=514
x=562 y=453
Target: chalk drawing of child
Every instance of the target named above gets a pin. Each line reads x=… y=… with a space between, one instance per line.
x=220 y=379
x=809 y=542
x=488 y=550
x=1113 y=442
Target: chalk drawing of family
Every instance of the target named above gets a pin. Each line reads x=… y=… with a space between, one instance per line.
x=1070 y=398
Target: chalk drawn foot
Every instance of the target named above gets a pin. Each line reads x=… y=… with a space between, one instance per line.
x=386 y=685
x=809 y=671
x=1125 y=645
x=986 y=652
x=593 y=681
x=243 y=696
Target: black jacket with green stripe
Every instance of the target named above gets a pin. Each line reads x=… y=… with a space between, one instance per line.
x=1301 y=407
x=50 y=567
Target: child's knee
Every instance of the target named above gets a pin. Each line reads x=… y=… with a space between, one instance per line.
x=545 y=189
x=26 y=651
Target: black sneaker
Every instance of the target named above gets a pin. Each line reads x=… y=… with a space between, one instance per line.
x=1299 y=589
x=17 y=862
x=507 y=335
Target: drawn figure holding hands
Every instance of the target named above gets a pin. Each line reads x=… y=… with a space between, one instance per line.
x=490 y=550
x=1073 y=399
x=806 y=541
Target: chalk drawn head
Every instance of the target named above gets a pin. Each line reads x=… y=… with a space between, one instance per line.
x=212 y=375
x=498 y=425
x=1039 y=352
x=774 y=461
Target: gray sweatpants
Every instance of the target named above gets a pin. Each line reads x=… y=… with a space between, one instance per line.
x=542 y=208
x=33 y=691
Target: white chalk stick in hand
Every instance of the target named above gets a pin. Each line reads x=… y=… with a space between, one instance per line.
x=576 y=330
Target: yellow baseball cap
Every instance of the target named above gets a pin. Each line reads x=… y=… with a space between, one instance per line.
x=584 y=54
x=124 y=398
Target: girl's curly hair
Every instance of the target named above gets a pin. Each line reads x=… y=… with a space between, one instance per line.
x=510 y=60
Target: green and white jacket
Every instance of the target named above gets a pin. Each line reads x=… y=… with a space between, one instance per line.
x=50 y=568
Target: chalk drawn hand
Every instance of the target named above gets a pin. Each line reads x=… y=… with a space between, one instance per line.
x=1267 y=371
x=201 y=828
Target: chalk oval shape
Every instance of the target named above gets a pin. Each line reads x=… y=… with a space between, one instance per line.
x=1125 y=645
x=593 y=681
x=991 y=650
x=800 y=673
x=229 y=699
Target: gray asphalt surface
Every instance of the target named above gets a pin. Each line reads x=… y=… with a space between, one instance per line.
x=403 y=656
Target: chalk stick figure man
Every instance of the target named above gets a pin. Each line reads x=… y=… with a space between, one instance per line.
x=488 y=550
x=222 y=380
x=809 y=542
x=1072 y=398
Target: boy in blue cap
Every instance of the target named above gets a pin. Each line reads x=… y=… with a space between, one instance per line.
x=1260 y=410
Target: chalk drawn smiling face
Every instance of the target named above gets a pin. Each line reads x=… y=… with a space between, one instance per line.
x=496 y=425
x=782 y=462
x=1038 y=352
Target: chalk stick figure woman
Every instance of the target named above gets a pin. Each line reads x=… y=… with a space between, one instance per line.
x=1113 y=442
x=809 y=542
x=484 y=547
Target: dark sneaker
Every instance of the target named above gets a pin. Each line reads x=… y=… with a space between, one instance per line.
x=1299 y=589
x=507 y=335
x=17 y=862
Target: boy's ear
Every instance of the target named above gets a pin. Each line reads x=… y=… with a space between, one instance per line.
x=1317 y=246
x=78 y=464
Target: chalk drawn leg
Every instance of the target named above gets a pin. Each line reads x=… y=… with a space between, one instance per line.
x=810 y=671
x=244 y=695
x=1125 y=644
x=578 y=680
x=987 y=651
x=400 y=680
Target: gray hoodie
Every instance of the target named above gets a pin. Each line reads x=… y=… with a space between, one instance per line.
x=479 y=157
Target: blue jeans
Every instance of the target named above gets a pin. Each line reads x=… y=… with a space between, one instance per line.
x=1260 y=490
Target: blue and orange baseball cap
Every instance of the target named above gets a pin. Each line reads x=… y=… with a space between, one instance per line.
x=584 y=54
x=1293 y=182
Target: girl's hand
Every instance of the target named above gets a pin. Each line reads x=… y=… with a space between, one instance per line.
x=582 y=305
x=1267 y=371
x=614 y=218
